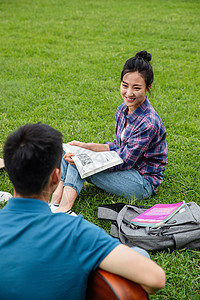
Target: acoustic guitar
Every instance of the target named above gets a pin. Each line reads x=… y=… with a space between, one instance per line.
x=103 y=285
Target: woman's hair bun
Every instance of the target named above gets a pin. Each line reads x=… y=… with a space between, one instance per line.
x=139 y=63
x=143 y=54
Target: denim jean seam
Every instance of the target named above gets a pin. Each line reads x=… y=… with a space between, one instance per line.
x=62 y=178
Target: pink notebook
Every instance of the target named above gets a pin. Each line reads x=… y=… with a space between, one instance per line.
x=157 y=214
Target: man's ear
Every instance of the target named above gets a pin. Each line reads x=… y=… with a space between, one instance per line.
x=14 y=193
x=55 y=176
x=149 y=87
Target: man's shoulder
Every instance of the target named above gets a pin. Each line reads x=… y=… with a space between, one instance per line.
x=76 y=223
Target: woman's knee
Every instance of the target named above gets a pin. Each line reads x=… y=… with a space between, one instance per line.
x=64 y=167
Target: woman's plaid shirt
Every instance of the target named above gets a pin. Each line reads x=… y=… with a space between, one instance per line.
x=143 y=145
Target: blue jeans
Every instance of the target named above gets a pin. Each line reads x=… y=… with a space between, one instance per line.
x=141 y=251
x=128 y=183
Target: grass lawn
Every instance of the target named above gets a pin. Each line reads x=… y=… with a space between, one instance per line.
x=60 y=64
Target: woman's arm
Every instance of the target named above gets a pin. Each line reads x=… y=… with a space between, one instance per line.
x=91 y=146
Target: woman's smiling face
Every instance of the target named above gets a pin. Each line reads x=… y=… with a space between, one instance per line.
x=133 y=90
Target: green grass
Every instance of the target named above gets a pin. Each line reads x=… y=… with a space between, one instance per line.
x=61 y=63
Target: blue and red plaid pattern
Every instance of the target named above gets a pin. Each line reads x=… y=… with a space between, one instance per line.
x=143 y=145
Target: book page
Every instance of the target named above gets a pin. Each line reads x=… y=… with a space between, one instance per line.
x=90 y=162
x=1 y=163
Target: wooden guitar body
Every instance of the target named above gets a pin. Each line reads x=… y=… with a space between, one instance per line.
x=103 y=285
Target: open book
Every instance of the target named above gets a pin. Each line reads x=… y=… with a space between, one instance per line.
x=90 y=162
x=157 y=214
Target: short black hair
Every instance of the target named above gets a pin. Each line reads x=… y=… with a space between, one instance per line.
x=30 y=155
x=140 y=63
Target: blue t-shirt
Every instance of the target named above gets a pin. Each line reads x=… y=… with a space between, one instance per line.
x=46 y=255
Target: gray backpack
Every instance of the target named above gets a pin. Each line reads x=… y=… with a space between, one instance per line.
x=181 y=231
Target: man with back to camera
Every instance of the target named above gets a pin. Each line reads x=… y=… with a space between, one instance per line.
x=47 y=255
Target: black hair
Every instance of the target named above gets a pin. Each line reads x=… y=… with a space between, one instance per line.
x=30 y=155
x=140 y=63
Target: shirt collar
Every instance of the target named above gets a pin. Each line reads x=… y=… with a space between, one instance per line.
x=27 y=205
x=138 y=111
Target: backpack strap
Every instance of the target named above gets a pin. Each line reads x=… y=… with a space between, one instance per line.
x=109 y=212
x=123 y=218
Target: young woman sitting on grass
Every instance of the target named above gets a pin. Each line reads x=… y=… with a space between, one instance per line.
x=140 y=140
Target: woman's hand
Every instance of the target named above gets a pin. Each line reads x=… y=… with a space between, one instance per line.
x=68 y=158
x=68 y=155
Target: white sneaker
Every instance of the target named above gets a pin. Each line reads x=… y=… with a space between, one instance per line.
x=70 y=212
x=53 y=207
x=4 y=196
